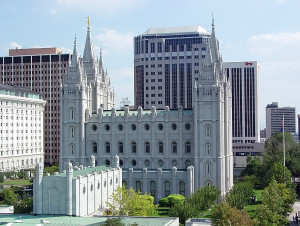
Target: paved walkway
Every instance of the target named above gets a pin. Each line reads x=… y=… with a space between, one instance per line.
x=295 y=210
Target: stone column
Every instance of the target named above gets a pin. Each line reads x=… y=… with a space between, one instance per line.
x=38 y=190
x=69 y=175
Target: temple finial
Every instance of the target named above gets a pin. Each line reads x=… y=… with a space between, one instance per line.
x=89 y=23
x=75 y=42
x=213 y=21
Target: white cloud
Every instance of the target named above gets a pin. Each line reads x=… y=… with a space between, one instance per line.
x=14 y=45
x=285 y=45
x=53 y=11
x=115 y=41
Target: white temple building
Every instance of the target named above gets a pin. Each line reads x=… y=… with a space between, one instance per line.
x=162 y=151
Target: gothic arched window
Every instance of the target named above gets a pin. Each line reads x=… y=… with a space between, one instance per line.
x=133 y=147
x=138 y=185
x=207 y=131
x=174 y=147
x=95 y=147
x=72 y=114
x=187 y=147
x=147 y=147
x=207 y=149
x=152 y=188
x=107 y=147
x=72 y=149
x=120 y=144
x=182 y=188
x=72 y=132
x=167 y=188
x=160 y=147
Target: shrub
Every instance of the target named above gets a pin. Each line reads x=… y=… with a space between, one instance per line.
x=171 y=200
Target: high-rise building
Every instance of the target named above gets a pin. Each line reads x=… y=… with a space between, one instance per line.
x=40 y=70
x=21 y=128
x=243 y=78
x=166 y=63
x=161 y=151
x=277 y=117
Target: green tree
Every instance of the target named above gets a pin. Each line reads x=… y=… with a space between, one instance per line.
x=224 y=215
x=1 y=177
x=130 y=203
x=194 y=205
x=204 y=197
x=51 y=169
x=8 y=196
x=113 y=222
x=183 y=211
x=240 y=195
x=277 y=203
x=25 y=205
x=278 y=172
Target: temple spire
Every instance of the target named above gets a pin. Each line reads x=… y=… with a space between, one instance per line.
x=208 y=57
x=214 y=44
x=88 y=54
x=75 y=54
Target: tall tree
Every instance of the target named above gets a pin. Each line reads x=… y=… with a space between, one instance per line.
x=224 y=215
x=130 y=203
x=277 y=203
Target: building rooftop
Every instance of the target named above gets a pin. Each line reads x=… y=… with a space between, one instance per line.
x=19 y=92
x=34 y=51
x=176 y=30
x=89 y=170
x=69 y=220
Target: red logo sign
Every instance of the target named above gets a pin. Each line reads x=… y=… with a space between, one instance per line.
x=248 y=63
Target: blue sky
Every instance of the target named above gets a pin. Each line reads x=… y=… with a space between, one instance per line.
x=267 y=31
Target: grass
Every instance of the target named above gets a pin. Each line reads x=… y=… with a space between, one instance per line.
x=251 y=207
x=20 y=182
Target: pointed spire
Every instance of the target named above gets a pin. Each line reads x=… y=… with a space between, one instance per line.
x=75 y=54
x=213 y=41
x=208 y=56
x=101 y=65
x=88 y=54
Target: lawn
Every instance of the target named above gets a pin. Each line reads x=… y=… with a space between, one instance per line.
x=251 y=207
x=21 y=182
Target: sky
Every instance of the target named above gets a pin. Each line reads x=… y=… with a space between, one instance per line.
x=266 y=31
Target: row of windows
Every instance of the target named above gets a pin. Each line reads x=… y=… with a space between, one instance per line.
x=16 y=164
x=152 y=187
x=160 y=147
x=133 y=127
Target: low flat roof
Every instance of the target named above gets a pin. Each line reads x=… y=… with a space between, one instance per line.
x=69 y=220
x=88 y=170
x=175 y=30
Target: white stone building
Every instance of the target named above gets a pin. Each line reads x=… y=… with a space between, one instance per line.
x=21 y=128
x=162 y=151
x=78 y=191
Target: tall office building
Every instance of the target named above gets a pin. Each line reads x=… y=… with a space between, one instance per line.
x=166 y=63
x=40 y=70
x=243 y=77
x=274 y=119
